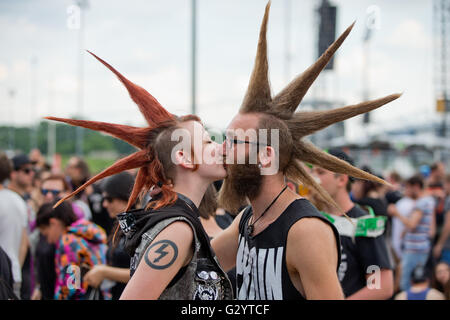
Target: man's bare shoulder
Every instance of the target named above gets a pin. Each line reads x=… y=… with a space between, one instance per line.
x=309 y=229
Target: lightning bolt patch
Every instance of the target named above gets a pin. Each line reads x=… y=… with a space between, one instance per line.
x=163 y=248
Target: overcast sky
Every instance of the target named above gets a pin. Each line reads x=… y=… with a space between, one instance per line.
x=149 y=42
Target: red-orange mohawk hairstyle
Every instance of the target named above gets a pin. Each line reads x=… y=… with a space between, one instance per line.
x=156 y=117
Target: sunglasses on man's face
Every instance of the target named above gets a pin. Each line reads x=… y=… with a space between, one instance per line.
x=26 y=170
x=232 y=141
x=53 y=192
x=108 y=199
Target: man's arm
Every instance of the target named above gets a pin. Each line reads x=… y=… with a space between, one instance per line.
x=24 y=243
x=409 y=222
x=312 y=252
x=445 y=233
x=225 y=244
x=99 y=272
x=383 y=292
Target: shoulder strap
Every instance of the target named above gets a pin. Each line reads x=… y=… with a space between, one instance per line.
x=245 y=212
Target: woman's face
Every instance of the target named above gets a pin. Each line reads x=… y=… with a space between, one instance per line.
x=53 y=231
x=208 y=155
x=442 y=273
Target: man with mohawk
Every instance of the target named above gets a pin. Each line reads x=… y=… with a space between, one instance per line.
x=281 y=245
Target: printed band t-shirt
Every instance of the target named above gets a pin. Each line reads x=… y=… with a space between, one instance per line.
x=261 y=270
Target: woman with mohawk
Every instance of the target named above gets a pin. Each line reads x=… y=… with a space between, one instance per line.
x=171 y=254
x=281 y=245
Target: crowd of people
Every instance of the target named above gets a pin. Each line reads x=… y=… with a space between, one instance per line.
x=74 y=251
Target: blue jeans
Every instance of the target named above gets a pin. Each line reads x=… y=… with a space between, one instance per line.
x=409 y=261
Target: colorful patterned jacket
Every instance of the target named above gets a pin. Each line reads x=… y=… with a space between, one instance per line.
x=81 y=247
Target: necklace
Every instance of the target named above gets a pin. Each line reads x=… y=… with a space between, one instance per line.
x=251 y=227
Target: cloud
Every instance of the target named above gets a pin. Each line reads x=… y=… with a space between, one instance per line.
x=410 y=34
x=3 y=72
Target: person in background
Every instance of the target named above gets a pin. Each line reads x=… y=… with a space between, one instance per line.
x=365 y=193
x=116 y=192
x=13 y=226
x=53 y=187
x=80 y=245
x=21 y=176
x=394 y=192
x=405 y=207
x=77 y=171
x=91 y=198
x=213 y=218
x=22 y=183
x=419 y=226
x=38 y=161
x=435 y=187
x=442 y=247
x=420 y=287
x=437 y=175
x=359 y=253
x=441 y=276
x=36 y=194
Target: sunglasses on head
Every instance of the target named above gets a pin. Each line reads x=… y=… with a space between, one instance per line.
x=54 y=192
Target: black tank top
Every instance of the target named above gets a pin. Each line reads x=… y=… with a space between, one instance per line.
x=261 y=271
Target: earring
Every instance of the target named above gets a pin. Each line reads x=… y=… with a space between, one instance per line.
x=259 y=165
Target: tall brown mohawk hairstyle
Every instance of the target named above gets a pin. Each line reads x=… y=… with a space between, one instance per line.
x=150 y=168
x=258 y=98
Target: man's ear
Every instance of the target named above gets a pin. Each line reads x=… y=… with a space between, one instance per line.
x=183 y=161
x=268 y=159
x=343 y=180
x=266 y=156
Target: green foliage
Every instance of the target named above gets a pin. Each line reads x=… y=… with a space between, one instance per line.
x=19 y=138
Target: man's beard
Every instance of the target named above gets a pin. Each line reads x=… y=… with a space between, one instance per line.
x=243 y=181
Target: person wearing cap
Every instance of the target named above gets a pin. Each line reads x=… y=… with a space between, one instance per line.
x=116 y=192
x=420 y=287
x=21 y=176
x=365 y=270
x=22 y=183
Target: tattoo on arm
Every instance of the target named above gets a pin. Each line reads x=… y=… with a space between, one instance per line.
x=161 y=254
